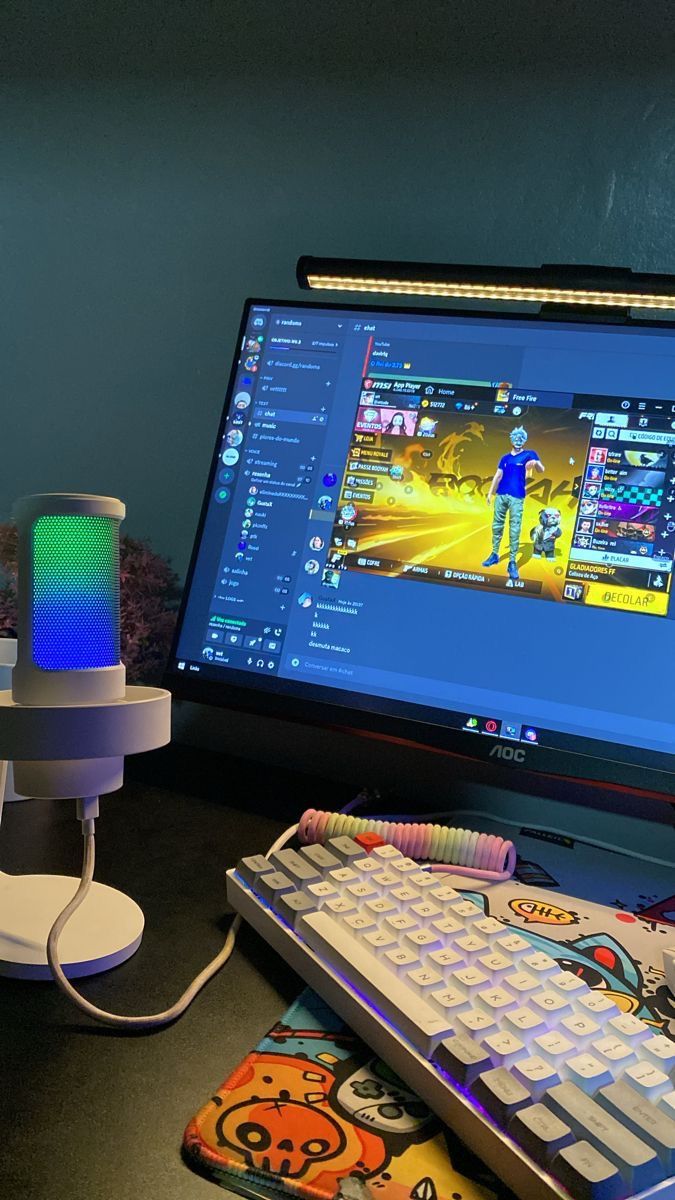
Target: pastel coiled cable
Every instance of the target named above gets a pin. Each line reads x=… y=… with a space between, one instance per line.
x=441 y=847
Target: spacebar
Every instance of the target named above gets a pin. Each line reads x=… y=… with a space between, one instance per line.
x=399 y=1004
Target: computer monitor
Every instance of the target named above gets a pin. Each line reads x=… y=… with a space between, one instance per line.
x=452 y=528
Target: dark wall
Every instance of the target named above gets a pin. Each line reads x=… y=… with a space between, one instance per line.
x=161 y=162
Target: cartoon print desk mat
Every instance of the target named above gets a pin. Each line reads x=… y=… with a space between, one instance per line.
x=312 y=1112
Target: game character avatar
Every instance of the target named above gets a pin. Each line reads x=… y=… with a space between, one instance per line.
x=545 y=533
x=396 y=426
x=508 y=488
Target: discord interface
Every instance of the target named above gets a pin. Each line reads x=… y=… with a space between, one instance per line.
x=471 y=517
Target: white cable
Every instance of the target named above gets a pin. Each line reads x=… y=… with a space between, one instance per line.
x=157 y=1019
x=4 y=772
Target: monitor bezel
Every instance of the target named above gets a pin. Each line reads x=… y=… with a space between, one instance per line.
x=648 y=772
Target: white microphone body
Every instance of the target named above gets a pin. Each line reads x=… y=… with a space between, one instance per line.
x=70 y=719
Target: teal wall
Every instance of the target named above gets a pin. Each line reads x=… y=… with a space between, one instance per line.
x=159 y=163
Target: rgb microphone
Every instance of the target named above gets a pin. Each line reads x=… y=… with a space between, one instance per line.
x=69 y=719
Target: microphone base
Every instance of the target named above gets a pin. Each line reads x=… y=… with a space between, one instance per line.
x=103 y=933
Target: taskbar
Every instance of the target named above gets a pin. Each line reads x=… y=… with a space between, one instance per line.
x=269 y=679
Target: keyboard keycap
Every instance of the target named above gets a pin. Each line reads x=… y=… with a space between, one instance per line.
x=404 y=895
x=462 y=1058
x=423 y=880
x=587 y=1174
x=470 y=946
x=323 y=891
x=553 y=1046
x=645 y=1119
x=272 y=885
x=501 y=1094
x=345 y=848
x=366 y=866
x=525 y=1023
x=368 y=841
x=380 y=940
x=320 y=857
x=568 y=984
x=636 y=1161
x=467 y=911
x=616 y=1052
x=496 y=1000
x=291 y=863
x=495 y=965
x=630 y=1029
x=418 y=1021
x=449 y=928
x=552 y=1004
x=475 y=1023
x=540 y=965
x=402 y=958
x=341 y=907
x=514 y=944
x=341 y=876
x=385 y=853
x=253 y=867
x=540 y=1132
x=647 y=1080
x=661 y=1051
x=422 y=939
x=523 y=984
x=598 y=1006
x=426 y=912
x=489 y=928
x=469 y=980
x=384 y=880
x=580 y=1028
x=444 y=894
x=504 y=1048
x=361 y=891
x=588 y=1073
x=404 y=866
x=423 y=979
x=293 y=905
x=535 y=1074
x=380 y=907
x=444 y=959
x=450 y=1001
x=359 y=923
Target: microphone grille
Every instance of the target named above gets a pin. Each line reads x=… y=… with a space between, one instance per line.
x=75 y=592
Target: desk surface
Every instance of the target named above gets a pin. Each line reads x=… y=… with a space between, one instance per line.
x=87 y=1113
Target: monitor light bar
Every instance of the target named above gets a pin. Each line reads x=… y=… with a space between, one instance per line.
x=606 y=287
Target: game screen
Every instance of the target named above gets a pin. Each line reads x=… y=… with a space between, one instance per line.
x=464 y=519
x=484 y=492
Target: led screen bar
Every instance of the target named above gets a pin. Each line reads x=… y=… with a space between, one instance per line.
x=609 y=287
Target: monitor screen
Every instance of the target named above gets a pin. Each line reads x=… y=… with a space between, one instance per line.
x=458 y=527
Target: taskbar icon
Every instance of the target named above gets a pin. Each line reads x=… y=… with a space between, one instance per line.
x=493 y=727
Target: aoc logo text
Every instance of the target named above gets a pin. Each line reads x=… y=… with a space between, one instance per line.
x=510 y=753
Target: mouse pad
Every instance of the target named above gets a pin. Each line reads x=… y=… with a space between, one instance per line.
x=312 y=1112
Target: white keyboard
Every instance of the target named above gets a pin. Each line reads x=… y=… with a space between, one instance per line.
x=546 y=1080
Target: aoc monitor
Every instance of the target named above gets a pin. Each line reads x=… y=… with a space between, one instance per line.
x=452 y=528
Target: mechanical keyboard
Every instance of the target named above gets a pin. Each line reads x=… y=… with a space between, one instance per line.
x=547 y=1081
